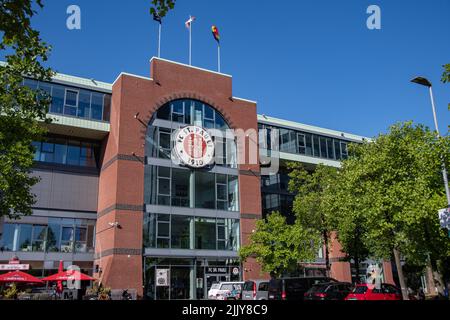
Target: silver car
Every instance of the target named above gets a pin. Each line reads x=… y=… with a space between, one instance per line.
x=255 y=290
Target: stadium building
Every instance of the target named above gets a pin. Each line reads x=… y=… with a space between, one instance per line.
x=152 y=183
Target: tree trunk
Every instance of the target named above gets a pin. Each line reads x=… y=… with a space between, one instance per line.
x=327 y=254
x=356 y=259
x=401 y=278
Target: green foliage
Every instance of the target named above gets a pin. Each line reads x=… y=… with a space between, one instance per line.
x=312 y=201
x=21 y=108
x=392 y=188
x=162 y=7
x=279 y=247
x=446 y=75
x=11 y=292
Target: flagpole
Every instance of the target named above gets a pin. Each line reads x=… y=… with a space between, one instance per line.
x=190 y=43
x=218 y=57
x=159 y=41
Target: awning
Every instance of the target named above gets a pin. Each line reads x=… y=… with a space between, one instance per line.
x=19 y=277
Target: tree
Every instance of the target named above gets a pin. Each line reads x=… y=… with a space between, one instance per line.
x=161 y=7
x=347 y=218
x=311 y=205
x=397 y=185
x=279 y=247
x=21 y=108
x=446 y=75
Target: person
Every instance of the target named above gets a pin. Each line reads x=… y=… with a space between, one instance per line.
x=126 y=295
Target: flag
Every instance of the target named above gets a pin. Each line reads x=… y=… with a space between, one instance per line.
x=157 y=17
x=215 y=33
x=188 y=23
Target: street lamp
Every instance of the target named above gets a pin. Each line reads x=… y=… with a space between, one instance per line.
x=424 y=82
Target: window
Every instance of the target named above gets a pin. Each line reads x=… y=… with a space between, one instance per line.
x=8 y=241
x=39 y=236
x=164 y=186
x=58 y=95
x=180 y=188
x=233 y=194
x=263 y=286
x=221 y=234
x=316 y=145
x=330 y=148
x=205 y=233
x=221 y=192
x=182 y=231
x=81 y=239
x=25 y=237
x=53 y=235
x=73 y=153
x=67 y=239
x=178 y=111
x=97 y=106
x=84 y=104
x=47 y=152
x=337 y=149
x=71 y=103
x=209 y=113
x=323 y=147
x=163 y=231
x=344 y=152
x=204 y=183
x=301 y=143
x=106 y=107
x=165 y=145
x=61 y=151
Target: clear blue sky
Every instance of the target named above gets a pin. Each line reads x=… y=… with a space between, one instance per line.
x=312 y=61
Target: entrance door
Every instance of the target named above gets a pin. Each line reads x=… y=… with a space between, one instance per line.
x=210 y=279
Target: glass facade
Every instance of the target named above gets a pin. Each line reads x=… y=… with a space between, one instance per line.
x=276 y=196
x=186 y=278
x=180 y=113
x=57 y=235
x=304 y=143
x=67 y=152
x=169 y=184
x=181 y=187
x=165 y=231
x=74 y=102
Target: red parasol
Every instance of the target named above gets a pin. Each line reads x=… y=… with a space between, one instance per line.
x=68 y=275
x=59 y=285
x=19 y=277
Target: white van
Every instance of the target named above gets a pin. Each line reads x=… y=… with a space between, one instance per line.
x=225 y=291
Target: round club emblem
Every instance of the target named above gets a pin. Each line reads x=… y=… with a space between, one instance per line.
x=194 y=146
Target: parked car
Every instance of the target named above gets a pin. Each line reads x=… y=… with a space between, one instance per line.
x=371 y=292
x=225 y=291
x=255 y=290
x=293 y=288
x=329 y=291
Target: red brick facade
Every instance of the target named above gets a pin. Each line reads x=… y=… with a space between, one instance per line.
x=119 y=249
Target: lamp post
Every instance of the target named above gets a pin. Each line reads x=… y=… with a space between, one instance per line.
x=424 y=82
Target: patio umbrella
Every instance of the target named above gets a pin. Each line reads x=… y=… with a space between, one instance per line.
x=19 y=277
x=59 y=285
x=68 y=275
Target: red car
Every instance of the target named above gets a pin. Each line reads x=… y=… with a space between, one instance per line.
x=371 y=292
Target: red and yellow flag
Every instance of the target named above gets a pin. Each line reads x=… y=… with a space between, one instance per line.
x=215 y=33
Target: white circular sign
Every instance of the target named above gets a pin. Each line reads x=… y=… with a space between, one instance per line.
x=194 y=146
x=235 y=271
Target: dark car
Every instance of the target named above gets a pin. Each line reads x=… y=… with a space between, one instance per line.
x=293 y=288
x=329 y=291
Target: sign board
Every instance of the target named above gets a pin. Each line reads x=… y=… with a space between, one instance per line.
x=444 y=218
x=14 y=267
x=217 y=270
x=162 y=277
x=194 y=146
x=235 y=271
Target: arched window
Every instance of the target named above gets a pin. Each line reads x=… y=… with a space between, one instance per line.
x=168 y=183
